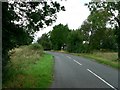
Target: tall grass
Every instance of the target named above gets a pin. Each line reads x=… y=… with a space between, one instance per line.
x=29 y=68
x=107 y=58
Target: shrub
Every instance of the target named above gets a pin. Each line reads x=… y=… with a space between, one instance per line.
x=36 y=46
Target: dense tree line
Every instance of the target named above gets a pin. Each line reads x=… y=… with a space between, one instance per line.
x=94 y=34
x=100 y=31
x=82 y=40
x=56 y=39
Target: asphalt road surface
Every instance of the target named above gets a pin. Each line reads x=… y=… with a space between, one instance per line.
x=76 y=72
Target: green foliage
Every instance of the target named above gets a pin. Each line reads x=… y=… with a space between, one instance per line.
x=96 y=32
x=109 y=40
x=21 y=54
x=29 y=69
x=12 y=34
x=31 y=18
x=36 y=46
x=93 y=34
x=99 y=18
x=75 y=41
x=111 y=8
x=98 y=27
x=44 y=40
x=58 y=36
x=88 y=38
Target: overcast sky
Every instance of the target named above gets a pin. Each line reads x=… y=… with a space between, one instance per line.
x=74 y=15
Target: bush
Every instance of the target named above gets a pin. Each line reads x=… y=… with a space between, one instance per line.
x=36 y=46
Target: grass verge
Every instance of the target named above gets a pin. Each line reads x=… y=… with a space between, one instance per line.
x=29 y=68
x=107 y=58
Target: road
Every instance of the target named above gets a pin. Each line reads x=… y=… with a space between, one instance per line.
x=76 y=72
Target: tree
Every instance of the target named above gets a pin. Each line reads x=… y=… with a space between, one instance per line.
x=112 y=8
x=58 y=36
x=98 y=21
x=96 y=33
x=86 y=29
x=44 y=40
x=30 y=18
x=75 y=41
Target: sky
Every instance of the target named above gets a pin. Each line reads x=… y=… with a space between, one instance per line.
x=76 y=12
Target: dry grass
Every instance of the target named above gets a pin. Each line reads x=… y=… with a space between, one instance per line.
x=29 y=68
x=107 y=55
x=107 y=58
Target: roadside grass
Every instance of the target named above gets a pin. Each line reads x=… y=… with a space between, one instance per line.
x=107 y=58
x=29 y=68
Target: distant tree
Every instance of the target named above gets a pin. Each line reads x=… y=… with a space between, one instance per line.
x=75 y=41
x=44 y=40
x=58 y=36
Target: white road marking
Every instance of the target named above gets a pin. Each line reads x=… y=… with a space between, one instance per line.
x=101 y=79
x=77 y=62
x=69 y=57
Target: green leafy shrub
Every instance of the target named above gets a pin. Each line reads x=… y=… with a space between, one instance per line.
x=36 y=46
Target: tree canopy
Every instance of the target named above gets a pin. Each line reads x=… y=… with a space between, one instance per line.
x=58 y=36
